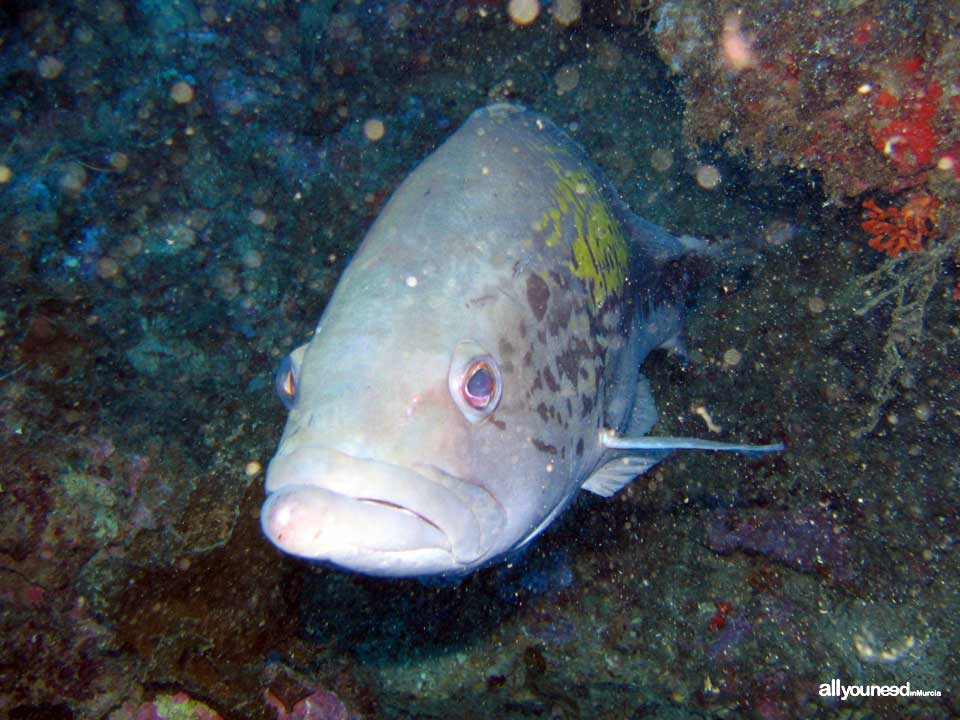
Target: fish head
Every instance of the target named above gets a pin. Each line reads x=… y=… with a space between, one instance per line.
x=389 y=462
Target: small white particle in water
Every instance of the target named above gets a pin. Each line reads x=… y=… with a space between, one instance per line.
x=890 y=146
x=181 y=93
x=74 y=178
x=252 y=468
x=566 y=12
x=708 y=177
x=732 y=357
x=411 y=281
x=107 y=268
x=374 y=129
x=567 y=79
x=523 y=12
x=661 y=159
x=119 y=161
x=816 y=305
x=49 y=67
x=779 y=233
x=923 y=411
x=711 y=425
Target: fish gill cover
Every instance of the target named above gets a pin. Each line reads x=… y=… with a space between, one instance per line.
x=181 y=187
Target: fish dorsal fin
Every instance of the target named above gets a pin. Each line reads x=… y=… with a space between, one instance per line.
x=642 y=453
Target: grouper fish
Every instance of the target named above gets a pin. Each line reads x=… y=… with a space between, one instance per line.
x=478 y=362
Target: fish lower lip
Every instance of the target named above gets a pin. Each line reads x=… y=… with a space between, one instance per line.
x=321 y=524
x=464 y=515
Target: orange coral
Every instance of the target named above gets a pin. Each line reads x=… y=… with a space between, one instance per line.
x=894 y=229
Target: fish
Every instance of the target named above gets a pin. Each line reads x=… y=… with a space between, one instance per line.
x=478 y=363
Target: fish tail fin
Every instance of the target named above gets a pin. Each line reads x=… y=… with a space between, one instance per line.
x=721 y=254
x=661 y=244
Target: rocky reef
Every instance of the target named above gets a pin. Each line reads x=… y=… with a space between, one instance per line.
x=181 y=185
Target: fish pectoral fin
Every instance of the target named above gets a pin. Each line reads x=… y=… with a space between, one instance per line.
x=676 y=345
x=639 y=454
x=653 y=443
x=611 y=478
x=644 y=414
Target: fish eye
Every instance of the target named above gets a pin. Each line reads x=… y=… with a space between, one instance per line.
x=475 y=381
x=479 y=384
x=286 y=379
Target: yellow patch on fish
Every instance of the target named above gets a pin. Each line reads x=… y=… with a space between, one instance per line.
x=600 y=256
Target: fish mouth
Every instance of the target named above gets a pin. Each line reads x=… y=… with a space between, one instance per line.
x=400 y=508
x=377 y=517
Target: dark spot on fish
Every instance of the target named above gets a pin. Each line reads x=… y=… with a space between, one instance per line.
x=541 y=335
x=481 y=300
x=506 y=349
x=543 y=447
x=587 y=408
x=551 y=380
x=559 y=318
x=500 y=424
x=538 y=295
x=569 y=408
x=523 y=329
x=580 y=447
x=537 y=382
x=583 y=372
x=528 y=358
x=567 y=364
x=542 y=411
x=563 y=453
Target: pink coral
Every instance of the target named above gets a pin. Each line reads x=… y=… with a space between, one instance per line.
x=175 y=707
x=319 y=705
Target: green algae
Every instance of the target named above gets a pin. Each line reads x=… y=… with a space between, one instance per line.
x=96 y=500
